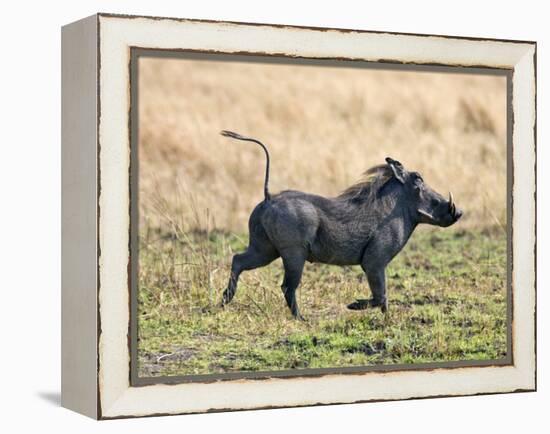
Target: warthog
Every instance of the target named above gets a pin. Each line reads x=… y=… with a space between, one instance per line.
x=367 y=224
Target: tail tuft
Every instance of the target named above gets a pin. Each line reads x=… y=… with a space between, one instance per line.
x=227 y=133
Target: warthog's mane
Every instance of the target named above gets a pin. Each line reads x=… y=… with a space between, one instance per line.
x=366 y=189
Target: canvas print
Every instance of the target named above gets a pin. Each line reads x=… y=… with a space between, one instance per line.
x=296 y=215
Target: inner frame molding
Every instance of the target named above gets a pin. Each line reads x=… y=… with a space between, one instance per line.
x=138 y=52
x=118 y=36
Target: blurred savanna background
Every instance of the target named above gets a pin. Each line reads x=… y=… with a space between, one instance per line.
x=324 y=126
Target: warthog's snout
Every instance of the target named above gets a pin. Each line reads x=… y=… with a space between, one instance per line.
x=458 y=214
x=455 y=212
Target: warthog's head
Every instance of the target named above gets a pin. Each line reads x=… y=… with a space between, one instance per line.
x=430 y=207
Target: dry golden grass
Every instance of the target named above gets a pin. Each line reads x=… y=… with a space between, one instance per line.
x=323 y=126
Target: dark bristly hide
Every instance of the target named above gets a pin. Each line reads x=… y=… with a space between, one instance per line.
x=367 y=224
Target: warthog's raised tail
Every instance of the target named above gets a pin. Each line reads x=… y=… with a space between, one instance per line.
x=233 y=135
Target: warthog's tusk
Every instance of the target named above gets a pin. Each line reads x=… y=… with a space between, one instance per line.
x=426 y=214
x=452 y=207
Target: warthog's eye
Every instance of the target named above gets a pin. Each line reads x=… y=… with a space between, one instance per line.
x=417 y=180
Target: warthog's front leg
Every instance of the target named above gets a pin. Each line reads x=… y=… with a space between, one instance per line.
x=376 y=277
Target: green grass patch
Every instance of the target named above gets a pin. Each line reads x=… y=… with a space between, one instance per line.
x=446 y=290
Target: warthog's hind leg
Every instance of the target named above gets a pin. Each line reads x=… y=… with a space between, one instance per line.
x=252 y=258
x=293 y=262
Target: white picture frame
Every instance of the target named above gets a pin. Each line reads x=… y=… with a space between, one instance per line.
x=96 y=258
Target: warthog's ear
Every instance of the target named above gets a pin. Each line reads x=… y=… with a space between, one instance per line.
x=397 y=168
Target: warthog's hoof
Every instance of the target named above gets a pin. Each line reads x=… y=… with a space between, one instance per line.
x=206 y=309
x=363 y=303
x=299 y=317
x=360 y=304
